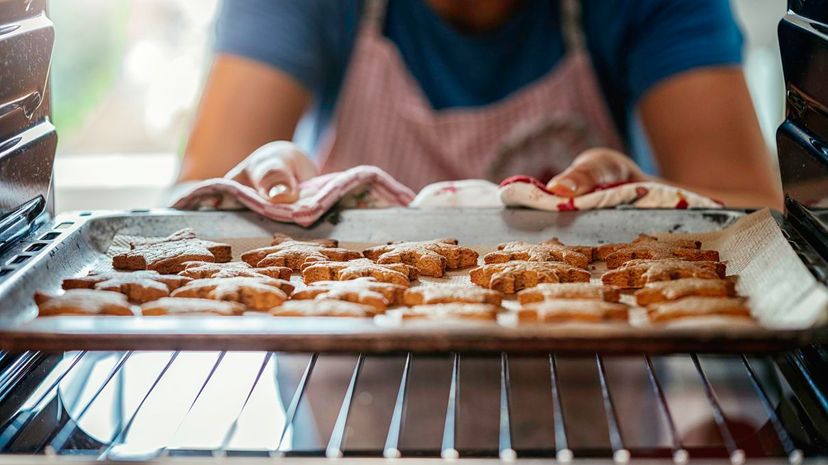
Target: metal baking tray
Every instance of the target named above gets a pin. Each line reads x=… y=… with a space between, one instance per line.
x=74 y=243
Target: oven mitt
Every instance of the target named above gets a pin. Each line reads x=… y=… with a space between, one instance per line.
x=358 y=187
x=526 y=191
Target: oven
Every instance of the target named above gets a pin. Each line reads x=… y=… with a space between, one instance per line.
x=90 y=391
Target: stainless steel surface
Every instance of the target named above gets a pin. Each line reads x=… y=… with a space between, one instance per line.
x=247 y=407
x=73 y=244
x=27 y=139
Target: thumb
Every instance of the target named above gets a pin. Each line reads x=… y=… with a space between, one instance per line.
x=276 y=183
x=574 y=181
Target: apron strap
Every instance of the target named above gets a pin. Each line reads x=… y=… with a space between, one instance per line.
x=571 y=25
x=373 y=15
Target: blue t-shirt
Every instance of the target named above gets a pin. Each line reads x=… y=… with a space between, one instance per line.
x=634 y=44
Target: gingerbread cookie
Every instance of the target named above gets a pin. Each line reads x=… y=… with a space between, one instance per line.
x=573 y=310
x=548 y=251
x=554 y=291
x=513 y=276
x=179 y=306
x=395 y=273
x=637 y=273
x=430 y=258
x=367 y=291
x=323 y=308
x=260 y=294
x=603 y=251
x=662 y=291
x=168 y=255
x=650 y=248
x=296 y=255
x=85 y=302
x=689 y=307
x=204 y=270
x=449 y=311
x=451 y=293
x=138 y=286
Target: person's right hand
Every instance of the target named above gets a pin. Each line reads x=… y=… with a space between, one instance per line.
x=275 y=171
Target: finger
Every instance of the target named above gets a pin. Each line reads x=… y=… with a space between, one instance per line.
x=576 y=180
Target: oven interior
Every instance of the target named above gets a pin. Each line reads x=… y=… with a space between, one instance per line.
x=249 y=406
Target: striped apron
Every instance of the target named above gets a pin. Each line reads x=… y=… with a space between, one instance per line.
x=384 y=119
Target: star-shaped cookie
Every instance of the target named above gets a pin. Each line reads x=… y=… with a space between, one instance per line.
x=552 y=250
x=203 y=270
x=451 y=293
x=662 y=291
x=366 y=291
x=138 y=286
x=513 y=276
x=573 y=310
x=180 y=306
x=296 y=255
x=167 y=255
x=556 y=291
x=635 y=274
x=84 y=302
x=260 y=294
x=689 y=307
x=431 y=258
x=449 y=311
x=650 y=248
x=395 y=273
x=323 y=308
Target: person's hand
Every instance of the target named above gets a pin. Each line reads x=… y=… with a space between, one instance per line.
x=275 y=171
x=593 y=168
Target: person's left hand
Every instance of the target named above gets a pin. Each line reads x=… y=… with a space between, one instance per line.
x=593 y=168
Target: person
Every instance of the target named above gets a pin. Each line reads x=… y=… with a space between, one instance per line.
x=433 y=90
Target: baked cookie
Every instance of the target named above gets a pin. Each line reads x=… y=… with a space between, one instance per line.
x=296 y=255
x=260 y=294
x=552 y=250
x=138 y=286
x=662 y=291
x=86 y=302
x=430 y=258
x=317 y=308
x=603 y=251
x=637 y=273
x=449 y=311
x=178 y=306
x=650 y=248
x=168 y=255
x=689 y=307
x=367 y=291
x=203 y=270
x=395 y=273
x=513 y=276
x=554 y=291
x=451 y=293
x=573 y=310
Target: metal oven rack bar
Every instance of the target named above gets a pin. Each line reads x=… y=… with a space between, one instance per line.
x=42 y=422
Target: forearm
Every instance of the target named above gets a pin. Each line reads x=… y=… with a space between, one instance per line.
x=705 y=136
x=244 y=106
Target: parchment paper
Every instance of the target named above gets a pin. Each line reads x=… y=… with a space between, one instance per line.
x=782 y=292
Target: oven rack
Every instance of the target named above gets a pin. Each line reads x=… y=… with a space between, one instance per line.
x=786 y=394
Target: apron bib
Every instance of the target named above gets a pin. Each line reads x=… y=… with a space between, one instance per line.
x=384 y=119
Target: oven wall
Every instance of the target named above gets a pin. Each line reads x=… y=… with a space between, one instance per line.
x=27 y=137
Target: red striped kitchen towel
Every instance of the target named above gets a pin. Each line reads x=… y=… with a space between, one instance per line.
x=358 y=187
